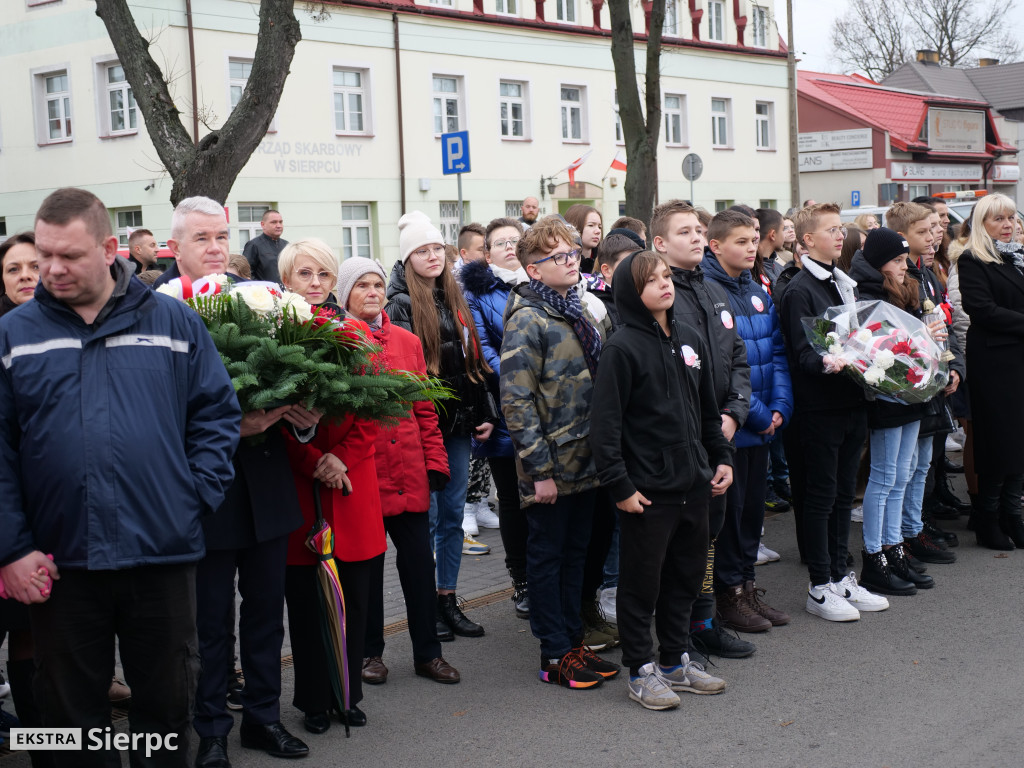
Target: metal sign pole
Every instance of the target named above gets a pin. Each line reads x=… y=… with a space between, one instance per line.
x=459 y=177
x=691 y=193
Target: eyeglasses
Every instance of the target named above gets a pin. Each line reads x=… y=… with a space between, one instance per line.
x=833 y=231
x=423 y=253
x=560 y=259
x=511 y=242
x=305 y=275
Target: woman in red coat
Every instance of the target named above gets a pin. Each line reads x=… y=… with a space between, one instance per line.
x=410 y=461
x=341 y=457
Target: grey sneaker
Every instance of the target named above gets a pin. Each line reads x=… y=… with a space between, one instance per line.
x=650 y=691
x=690 y=676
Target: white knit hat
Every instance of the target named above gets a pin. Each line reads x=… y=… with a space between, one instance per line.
x=353 y=268
x=415 y=231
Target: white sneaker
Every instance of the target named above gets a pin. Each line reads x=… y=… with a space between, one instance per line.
x=859 y=597
x=650 y=690
x=690 y=676
x=955 y=441
x=857 y=514
x=485 y=516
x=469 y=525
x=607 y=601
x=829 y=602
x=765 y=555
x=5 y=689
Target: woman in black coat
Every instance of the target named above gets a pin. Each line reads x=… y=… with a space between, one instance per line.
x=991 y=271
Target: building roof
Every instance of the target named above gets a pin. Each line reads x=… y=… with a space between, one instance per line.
x=900 y=112
x=1000 y=85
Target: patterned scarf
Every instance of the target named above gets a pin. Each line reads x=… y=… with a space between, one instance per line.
x=1013 y=251
x=571 y=308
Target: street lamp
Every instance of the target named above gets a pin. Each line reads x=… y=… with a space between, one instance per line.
x=548 y=183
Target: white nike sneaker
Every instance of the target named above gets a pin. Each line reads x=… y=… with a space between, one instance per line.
x=829 y=602
x=859 y=597
x=469 y=526
x=485 y=516
x=765 y=555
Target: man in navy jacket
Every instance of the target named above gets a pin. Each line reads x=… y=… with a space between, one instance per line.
x=74 y=365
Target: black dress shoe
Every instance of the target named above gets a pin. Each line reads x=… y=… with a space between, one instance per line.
x=213 y=753
x=356 y=717
x=316 y=722
x=273 y=739
x=953 y=467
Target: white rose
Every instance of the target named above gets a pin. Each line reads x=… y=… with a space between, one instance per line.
x=874 y=375
x=257 y=298
x=170 y=289
x=864 y=336
x=294 y=304
x=836 y=350
x=884 y=359
x=832 y=337
x=218 y=278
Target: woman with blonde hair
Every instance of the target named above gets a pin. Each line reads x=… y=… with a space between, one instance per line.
x=310 y=268
x=866 y=222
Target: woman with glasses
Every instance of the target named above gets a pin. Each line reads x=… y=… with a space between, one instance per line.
x=587 y=221
x=425 y=299
x=310 y=269
x=488 y=285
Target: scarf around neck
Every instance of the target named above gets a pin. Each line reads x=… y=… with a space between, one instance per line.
x=509 y=277
x=1013 y=251
x=571 y=308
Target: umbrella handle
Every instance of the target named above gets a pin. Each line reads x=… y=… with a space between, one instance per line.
x=316 y=502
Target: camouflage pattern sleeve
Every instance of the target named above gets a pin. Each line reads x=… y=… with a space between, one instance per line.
x=523 y=351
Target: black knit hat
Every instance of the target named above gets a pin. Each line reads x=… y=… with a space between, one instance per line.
x=883 y=245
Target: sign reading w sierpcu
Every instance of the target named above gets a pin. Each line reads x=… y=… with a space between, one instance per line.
x=455 y=159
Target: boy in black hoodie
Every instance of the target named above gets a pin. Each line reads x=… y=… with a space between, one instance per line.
x=655 y=443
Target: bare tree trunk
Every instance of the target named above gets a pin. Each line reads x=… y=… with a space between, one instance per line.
x=211 y=167
x=641 y=137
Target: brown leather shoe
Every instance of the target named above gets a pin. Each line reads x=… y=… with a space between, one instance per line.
x=754 y=593
x=374 y=671
x=119 y=693
x=438 y=670
x=735 y=611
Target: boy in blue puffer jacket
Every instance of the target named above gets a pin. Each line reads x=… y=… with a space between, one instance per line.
x=732 y=249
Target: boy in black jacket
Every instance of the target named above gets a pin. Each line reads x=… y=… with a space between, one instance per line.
x=657 y=438
x=703 y=306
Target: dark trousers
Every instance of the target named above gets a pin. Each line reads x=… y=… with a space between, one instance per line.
x=736 y=548
x=511 y=518
x=151 y=611
x=662 y=553
x=704 y=606
x=260 y=571
x=313 y=692
x=601 y=534
x=831 y=443
x=555 y=554
x=797 y=477
x=410 y=533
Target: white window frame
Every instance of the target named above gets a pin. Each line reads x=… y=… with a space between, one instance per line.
x=3 y=228
x=683 y=138
x=232 y=82
x=364 y=90
x=716 y=21
x=103 y=88
x=581 y=104
x=252 y=227
x=442 y=3
x=448 y=219
x=513 y=209
x=620 y=135
x=509 y=102
x=721 y=120
x=121 y=227
x=445 y=97
x=352 y=227
x=915 y=190
x=567 y=12
x=764 y=126
x=508 y=7
x=670 y=26
x=760 y=18
x=42 y=101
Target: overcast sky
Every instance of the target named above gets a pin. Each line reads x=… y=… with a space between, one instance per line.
x=812 y=20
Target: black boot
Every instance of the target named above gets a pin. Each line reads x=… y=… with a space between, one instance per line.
x=877 y=576
x=944 y=495
x=449 y=612
x=986 y=521
x=941 y=536
x=520 y=595
x=900 y=566
x=1010 y=509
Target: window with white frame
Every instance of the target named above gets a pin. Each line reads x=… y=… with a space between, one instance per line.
x=507 y=7
x=619 y=137
x=121 y=112
x=445 y=3
x=513 y=209
x=125 y=219
x=917 y=190
x=774 y=204
x=723 y=205
x=249 y=217
x=565 y=10
x=573 y=112
x=239 y=70
x=670 y=28
x=54 y=93
x=720 y=133
x=951 y=188
x=355 y=230
x=449 y=221
x=675 y=119
x=512 y=109
x=716 y=20
x=759 y=35
x=447 y=103
x=764 y=124
x=3 y=228
x=351 y=101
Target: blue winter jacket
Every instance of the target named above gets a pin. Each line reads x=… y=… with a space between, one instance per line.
x=487 y=296
x=758 y=325
x=114 y=437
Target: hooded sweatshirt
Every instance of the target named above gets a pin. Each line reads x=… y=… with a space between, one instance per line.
x=658 y=428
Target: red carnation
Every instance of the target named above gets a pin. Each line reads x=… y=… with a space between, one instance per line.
x=915 y=375
x=902 y=348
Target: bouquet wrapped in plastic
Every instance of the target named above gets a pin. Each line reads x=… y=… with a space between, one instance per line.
x=886 y=350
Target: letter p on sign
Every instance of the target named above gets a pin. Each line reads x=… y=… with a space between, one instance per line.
x=455 y=153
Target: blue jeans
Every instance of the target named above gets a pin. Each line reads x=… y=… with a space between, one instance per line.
x=778 y=468
x=914 y=497
x=446 y=512
x=892 y=457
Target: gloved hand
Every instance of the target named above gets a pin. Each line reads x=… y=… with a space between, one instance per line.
x=437 y=480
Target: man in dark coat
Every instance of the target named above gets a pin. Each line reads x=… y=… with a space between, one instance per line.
x=262 y=251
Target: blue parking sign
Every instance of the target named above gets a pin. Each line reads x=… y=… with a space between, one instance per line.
x=455 y=152
x=855 y=198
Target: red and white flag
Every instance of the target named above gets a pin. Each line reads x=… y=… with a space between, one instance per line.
x=576 y=164
x=619 y=163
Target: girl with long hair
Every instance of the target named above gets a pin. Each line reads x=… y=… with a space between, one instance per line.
x=587 y=221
